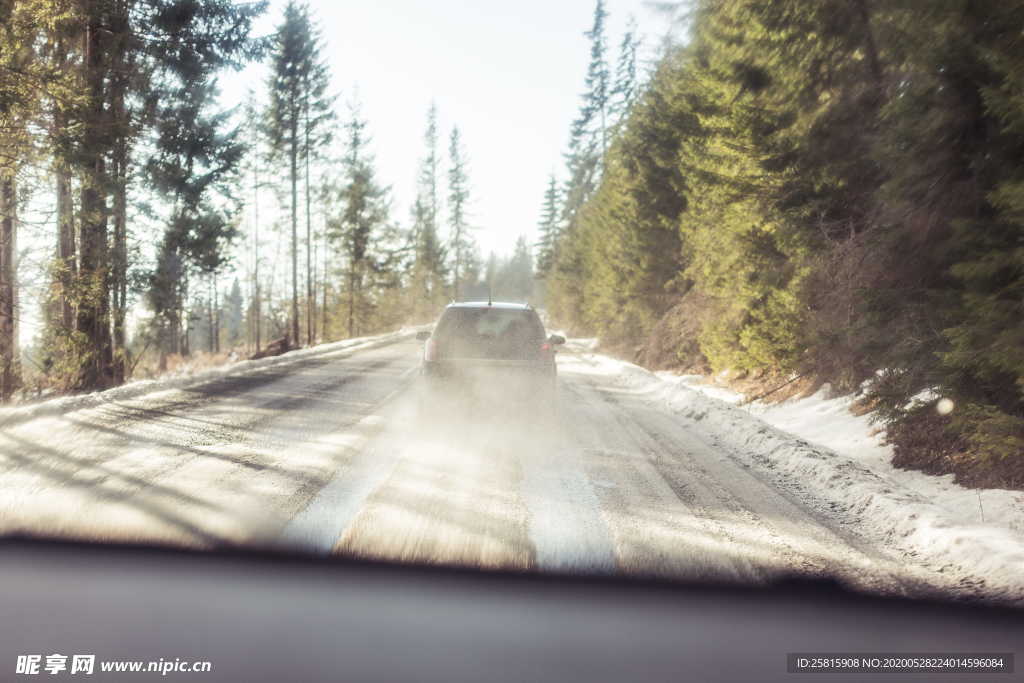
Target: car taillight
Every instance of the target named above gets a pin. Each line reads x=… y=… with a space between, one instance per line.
x=545 y=347
x=430 y=350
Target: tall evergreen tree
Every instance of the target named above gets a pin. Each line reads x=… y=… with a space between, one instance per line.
x=548 y=228
x=254 y=125
x=104 y=75
x=458 y=200
x=138 y=58
x=474 y=272
x=625 y=87
x=94 y=147
x=317 y=131
x=588 y=143
x=194 y=167
x=492 y=276
x=428 y=271
x=762 y=192
x=597 y=98
x=9 y=362
x=429 y=172
x=60 y=52
x=359 y=229
x=19 y=30
x=299 y=109
x=233 y=315
x=515 y=279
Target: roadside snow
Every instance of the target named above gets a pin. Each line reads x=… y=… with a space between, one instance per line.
x=66 y=404
x=837 y=461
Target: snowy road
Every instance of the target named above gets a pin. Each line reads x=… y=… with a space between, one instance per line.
x=326 y=453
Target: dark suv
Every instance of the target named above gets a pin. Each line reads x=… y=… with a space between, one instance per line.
x=489 y=351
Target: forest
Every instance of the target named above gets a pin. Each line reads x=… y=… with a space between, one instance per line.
x=823 y=192
x=829 y=191
x=177 y=227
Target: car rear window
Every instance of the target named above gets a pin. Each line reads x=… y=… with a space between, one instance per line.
x=499 y=333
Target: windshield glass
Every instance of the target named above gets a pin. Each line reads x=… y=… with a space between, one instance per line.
x=489 y=333
x=754 y=269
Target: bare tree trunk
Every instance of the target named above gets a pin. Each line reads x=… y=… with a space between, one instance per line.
x=323 y=289
x=119 y=118
x=352 y=301
x=66 y=262
x=216 y=316
x=257 y=306
x=175 y=312
x=67 y=265
x=10 y=371
x=253 y=317
x=184 y=315
x=257 y=302
x=248 y=309
x=120 y=264
x=295 y=235
x=211 y=342
x=313 y=293
x=93 y=318
x=94 y=311
x=458 y=261
x=310 y=296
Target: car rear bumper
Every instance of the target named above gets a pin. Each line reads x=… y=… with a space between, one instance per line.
x=490 y=379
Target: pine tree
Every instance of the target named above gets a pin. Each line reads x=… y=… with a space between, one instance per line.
x=94 y=148
x=254 y=125
x=429 y=172
x=588 y=143
x=359 y=229
x=298 y=112
x=474 y=274
x=9 y=362
x=492 y=276
x=317 y=129
x=516 y=278
x=233 y=315
x=137 y=58
x=195 y=162
x=629 y=230
x=548 y=228
x=18 y=106
x=963 y=172
x=458 y=200
x=759 y=198
x=626 y=84
x=58 y=52
x=565 y=298
x=428 y=272
x=594 y=114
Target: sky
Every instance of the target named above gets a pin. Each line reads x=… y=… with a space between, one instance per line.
x=508 y=74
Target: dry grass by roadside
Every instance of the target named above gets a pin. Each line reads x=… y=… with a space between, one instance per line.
x=932 y=443
x=148 y=367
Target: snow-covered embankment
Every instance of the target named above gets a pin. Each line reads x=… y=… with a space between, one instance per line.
x=838 y=463
x=178 y=380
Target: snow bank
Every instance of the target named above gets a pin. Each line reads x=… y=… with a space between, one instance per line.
x=837 y=462
x=67 y=404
